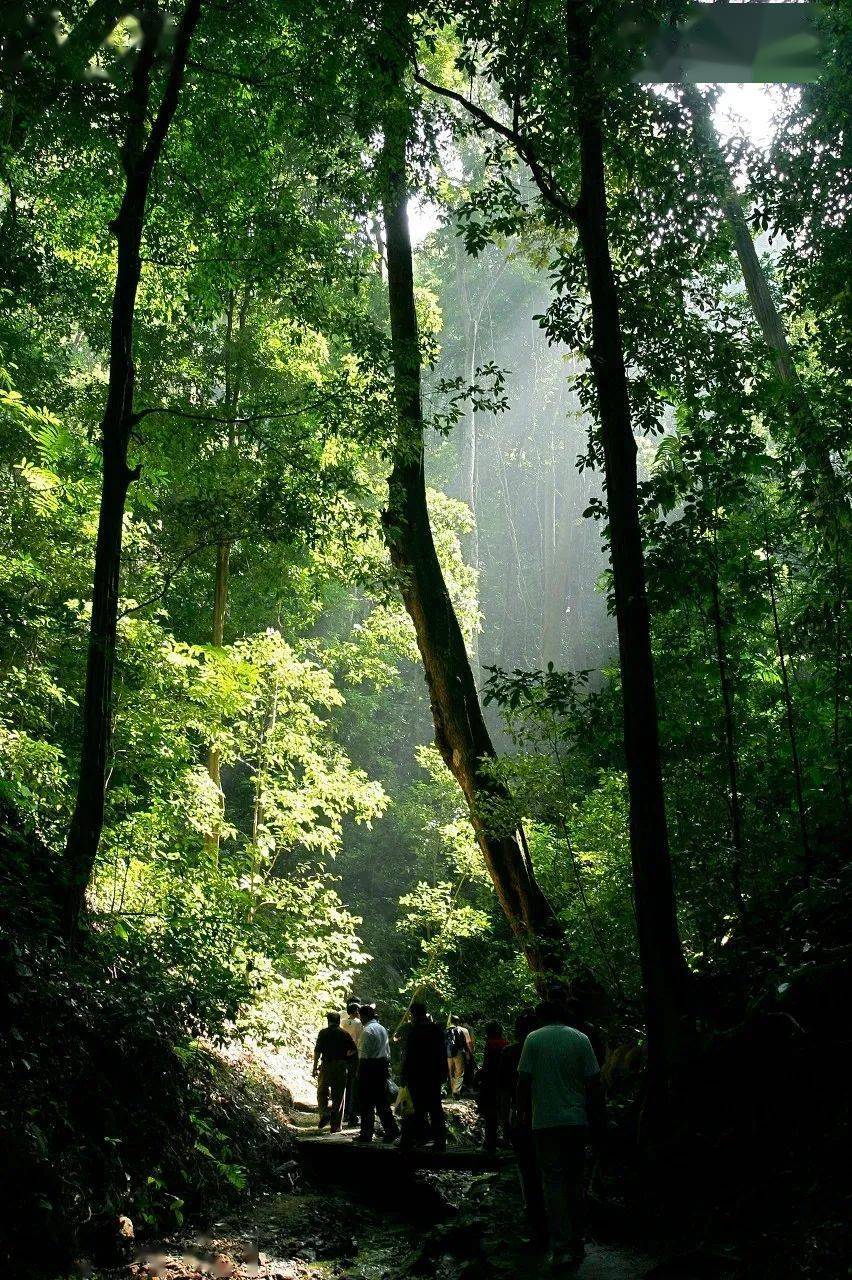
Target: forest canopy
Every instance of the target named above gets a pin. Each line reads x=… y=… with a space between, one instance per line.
x=431 y=620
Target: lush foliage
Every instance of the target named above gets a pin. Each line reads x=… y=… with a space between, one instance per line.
x=278 y=829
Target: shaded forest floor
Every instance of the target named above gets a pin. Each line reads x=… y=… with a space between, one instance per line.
x=437 y=1225
x=429 y=1225
x=107 y=1109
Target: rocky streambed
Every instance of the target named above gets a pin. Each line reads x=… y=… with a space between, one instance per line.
x=444 y=1226
x=438 y=1225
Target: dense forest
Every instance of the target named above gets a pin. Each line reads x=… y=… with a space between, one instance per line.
x=425 y=508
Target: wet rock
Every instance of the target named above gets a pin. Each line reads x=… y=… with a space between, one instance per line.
x=693 y=1266
x=456 y=1241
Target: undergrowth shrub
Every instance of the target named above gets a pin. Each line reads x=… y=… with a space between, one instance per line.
x=111 y=1104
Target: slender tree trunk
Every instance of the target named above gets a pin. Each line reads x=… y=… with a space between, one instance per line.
x=139 y=158
x=730 y=735
x=220 y=592
x=379 y=237
x=556 y=595
x=214 y=758
x=460 y=731
x=221 y=583
x=257 y=806
x=508 y=639
x=664 y=972
x=549 y=569
x=469 y=469
x=788 y=711
x=469 y=458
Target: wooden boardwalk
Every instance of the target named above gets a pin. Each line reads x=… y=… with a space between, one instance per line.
x=339 y=1151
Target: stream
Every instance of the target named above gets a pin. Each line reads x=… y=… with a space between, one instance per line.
x=440 y=1225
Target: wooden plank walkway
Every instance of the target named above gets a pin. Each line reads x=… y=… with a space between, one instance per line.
x=340 y=1151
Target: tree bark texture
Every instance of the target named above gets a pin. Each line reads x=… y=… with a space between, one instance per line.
x=460 y=730
x=664 y=972
x=139 y=159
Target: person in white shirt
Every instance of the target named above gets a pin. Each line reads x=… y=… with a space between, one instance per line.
x=351 y=1023
x=559 y=1080
x=373 y=1076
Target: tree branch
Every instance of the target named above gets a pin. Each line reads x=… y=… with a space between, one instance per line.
x=168 y=576
x=264 y=416
x=525 y=148
x=169 y=101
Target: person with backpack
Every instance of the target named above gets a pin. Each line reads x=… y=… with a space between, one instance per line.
x=458 y=1043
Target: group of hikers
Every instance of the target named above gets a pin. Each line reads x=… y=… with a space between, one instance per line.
x=541 y=1093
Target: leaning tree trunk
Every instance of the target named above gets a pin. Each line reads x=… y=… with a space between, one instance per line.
x=460 y=731
x=139 y=158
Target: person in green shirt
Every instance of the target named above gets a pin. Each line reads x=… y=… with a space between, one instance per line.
x=559 y=1085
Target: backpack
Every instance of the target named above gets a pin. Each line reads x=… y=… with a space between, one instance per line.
x=456 y=1042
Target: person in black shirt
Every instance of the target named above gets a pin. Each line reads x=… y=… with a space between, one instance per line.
x=333 y=1050
x=423 y=1072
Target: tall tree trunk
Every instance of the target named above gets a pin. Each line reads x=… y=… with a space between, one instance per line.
x=469 y=470
x=257 y=813
x=548 y=548
x=520 y=601
x=556 y=589
x=460 y=731
x=470 y=443
x=664 y=972
x=139 y=158
x=469 y=448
